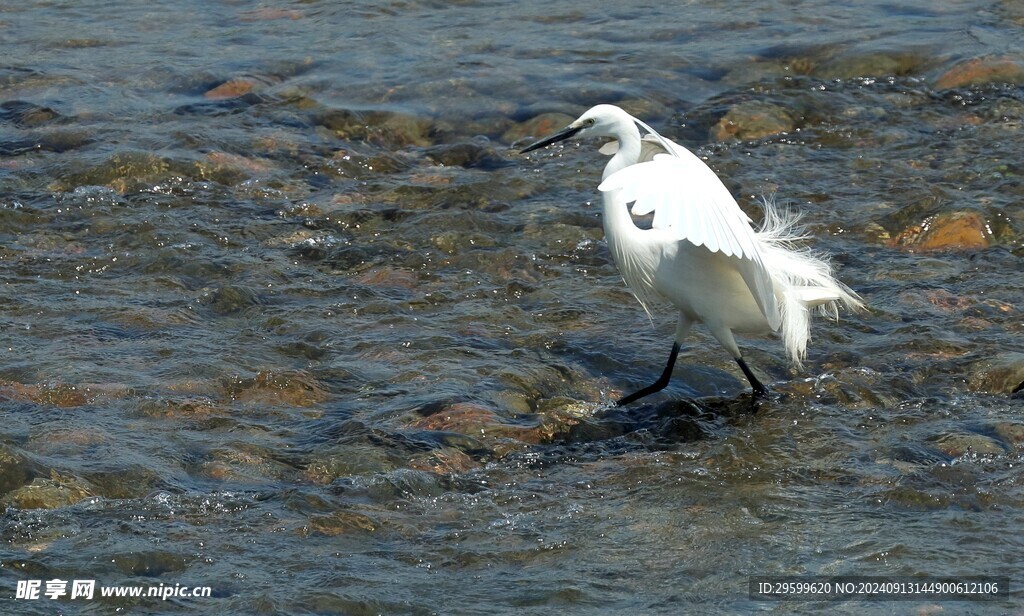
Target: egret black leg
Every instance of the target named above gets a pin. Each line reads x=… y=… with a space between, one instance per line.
x=760 y=391
x=658 y=385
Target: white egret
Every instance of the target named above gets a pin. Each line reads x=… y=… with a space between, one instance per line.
x=702 y=253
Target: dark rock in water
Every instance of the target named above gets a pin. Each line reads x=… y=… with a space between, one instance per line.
x=1011 y=433
x=956 y=444
x=248 y=464
x=48 y=493
x=467 y=155
x=231 y=299
x=493 y=433
x=232 y=88
x=222 y=106
x=339 y=523
x=950 y=230
x=386 y=128
x=877 y=64
x=455 y=242
x=27 y=115
x=61 y=141
x=982 y=71
x=150 y=563
x=1002 y=374
x=445 y=461
x=537 y=127
x=15 y=470
x=294 y=388
x=461 y=417
x=324 y=467
x=122 y=171
x=61 y=395
x=752 y=120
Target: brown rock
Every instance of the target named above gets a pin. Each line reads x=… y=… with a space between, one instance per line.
x=15 y=469
x=200 y=408
x=963 y=229
x=1011 y=433
x=288 y=388
x=462 y=417
x=56 y=491
x=387 y=277
x=269 y=14
x=61 y=395
x=500 y=434
x=956 y=444
x=980 y=71
x=58 y=442
x=443 y=461
x=234 y=162
x=232 y=88
x=537 y=127
x=339 y=523
x=1002 y=374
x=752 y=120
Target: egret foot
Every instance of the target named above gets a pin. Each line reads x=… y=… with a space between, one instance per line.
x=760 y=391
x=658 y=385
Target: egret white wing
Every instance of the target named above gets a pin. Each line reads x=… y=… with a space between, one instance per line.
x=649 y=147
x=690 y=203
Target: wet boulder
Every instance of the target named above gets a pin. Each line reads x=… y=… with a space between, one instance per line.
x=963 y=229
x=1002 y=374
x=982 y=71
x=48 y=493
x=537 y=127
x=15 y=469
x=752 y=120
x=24 y=114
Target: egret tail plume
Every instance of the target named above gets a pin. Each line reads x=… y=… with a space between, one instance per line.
x=803 y=278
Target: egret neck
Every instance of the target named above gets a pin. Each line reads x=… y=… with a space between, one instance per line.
x=622 y=235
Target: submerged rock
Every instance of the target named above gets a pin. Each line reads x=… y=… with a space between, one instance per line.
x=956 y=444
x=347 y=460
x=466 y=155
x=231 y=299
x=951 y=230
x=537 y=127
x=874 y=64
x=243 y=463
x=150 y=563
x=61 y=395
x=446 y=461
x=124 y=172
x=386 y=128
x=24 y=114
x=48 y=493
x=502 y=435
x=339 y=523
x=1001 y=374
x=232 y=88
x=982 y=71
x=1011 y=433
x=15 y=469
x=752 y=120
x=279 y=388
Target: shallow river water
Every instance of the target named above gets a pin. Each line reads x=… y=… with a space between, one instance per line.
x=285 y=314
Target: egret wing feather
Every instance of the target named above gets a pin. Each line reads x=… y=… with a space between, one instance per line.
x=690 y=203
x=650 y=145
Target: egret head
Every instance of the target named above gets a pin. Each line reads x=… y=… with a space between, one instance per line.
x=598 y=121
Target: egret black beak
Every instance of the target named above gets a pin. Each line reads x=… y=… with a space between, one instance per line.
x=561 y=135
